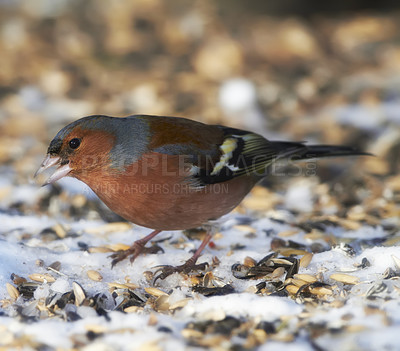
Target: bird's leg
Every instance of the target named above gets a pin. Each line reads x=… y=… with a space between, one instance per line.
x=188 y=266
x=137 y=248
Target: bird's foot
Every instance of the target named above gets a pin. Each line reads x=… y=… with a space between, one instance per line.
x=190 y=265
x=134 y=251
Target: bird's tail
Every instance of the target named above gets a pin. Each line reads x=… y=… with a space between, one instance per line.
x=301 y=151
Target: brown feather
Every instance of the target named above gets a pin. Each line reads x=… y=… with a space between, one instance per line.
x=154 y=193
x=183 y=131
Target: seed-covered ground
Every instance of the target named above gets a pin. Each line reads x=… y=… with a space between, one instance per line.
x=309 y=261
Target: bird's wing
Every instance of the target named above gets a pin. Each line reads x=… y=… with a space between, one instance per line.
x=216 y=153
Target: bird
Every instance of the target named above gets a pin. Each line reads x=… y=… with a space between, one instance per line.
x=169 y=173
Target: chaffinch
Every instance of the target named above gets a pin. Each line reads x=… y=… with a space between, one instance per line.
x=169 y=173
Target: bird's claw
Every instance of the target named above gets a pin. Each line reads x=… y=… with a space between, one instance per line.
x=148 y=250
x=119 y=256
x=187 y=267
x=134 y=251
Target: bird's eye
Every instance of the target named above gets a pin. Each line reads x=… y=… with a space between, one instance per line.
x=74 y=143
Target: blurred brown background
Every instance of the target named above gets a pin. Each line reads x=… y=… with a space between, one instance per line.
x=300 y=70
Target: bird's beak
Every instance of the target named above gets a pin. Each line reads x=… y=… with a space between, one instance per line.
x=60 y=172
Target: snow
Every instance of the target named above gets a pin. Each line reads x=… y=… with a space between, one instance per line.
x=239 y=305
x=120 y=330
x=299 y=196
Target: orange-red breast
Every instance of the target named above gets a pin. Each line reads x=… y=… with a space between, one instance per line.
x=169 y=173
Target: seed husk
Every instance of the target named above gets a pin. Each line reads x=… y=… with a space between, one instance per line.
x=396 y=261
x=189 y=333
x=12 y=291
x=306 y=277
x=291 y=252
x=118 y=247
x=39 y=262
x=129 y=286
x=297 y=282
x=278 y=272
x=99 y=249
x=289 y=232
x=60 y=231
x=95 y=328
x=355 y=328
x=306 y=259
x=17 y=280
x=155 y=292
x=179 y=304
x=79 y=293
x=42 y=277
x=132 y=286
x=320 y=291
x=281 y=261
x=249 y=261
x=109 y=228
x=162 y=303
x=55 y=266
x=292 y=289
x=245 y=228
x=94 y=275
x=132 y=309
x=345 y=278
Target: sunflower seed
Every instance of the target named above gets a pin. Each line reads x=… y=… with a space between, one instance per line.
x=79 y=293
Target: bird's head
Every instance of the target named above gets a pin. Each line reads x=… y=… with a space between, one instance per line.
x=80 y=147
x=95 y=144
